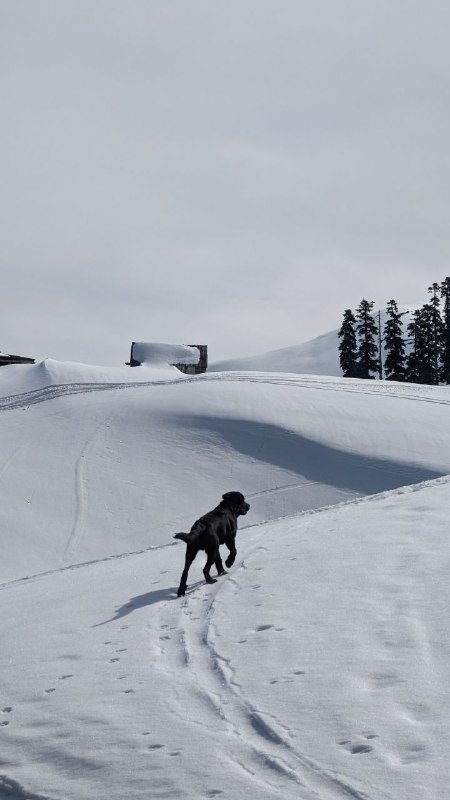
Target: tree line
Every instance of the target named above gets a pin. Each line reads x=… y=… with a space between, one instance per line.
x=419 y=355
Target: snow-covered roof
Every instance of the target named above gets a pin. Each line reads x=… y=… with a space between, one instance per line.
x=159 y=354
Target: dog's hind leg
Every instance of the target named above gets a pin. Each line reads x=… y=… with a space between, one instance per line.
x=219 y=566
x=213 y=555
x=190 y=555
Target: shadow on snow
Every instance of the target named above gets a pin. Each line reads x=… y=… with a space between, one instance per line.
x=310 y=459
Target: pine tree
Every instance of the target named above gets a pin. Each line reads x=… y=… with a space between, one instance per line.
x=445 y=351
x=347 y=347
x=367 y=332
x=416 y=359
x=436 y=330
x=394 y=364
x=421 y=366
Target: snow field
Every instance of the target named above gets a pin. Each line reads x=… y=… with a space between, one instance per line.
x=317 y=668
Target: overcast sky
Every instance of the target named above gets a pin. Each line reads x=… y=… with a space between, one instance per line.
x=227 y=172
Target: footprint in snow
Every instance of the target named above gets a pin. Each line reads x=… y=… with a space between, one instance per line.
x=64 y=677
x=416 y=751
x=7 y=709
x=49 y=691
x=4 y=724
x=355 y=748
x=385 y=679
x=113 y=660
x=264 y=627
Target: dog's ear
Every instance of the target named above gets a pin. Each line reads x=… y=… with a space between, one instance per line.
x=233 y=497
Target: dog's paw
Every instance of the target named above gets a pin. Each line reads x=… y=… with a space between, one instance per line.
x=222 y=572
x=181 y=593
x=208 y=579
x=229 y=562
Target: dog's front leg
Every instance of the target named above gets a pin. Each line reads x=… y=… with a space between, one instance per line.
x=232 y=557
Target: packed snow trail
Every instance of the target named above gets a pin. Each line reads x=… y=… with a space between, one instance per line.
x=422 y=393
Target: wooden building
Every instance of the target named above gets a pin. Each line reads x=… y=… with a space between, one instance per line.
x=142 y=352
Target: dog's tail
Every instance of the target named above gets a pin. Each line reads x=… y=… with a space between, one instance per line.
x=183 y=536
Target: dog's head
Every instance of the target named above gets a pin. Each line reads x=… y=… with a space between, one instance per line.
x=236 y=501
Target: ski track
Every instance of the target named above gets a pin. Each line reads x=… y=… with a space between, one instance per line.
x=80 y=491
x=420 y=393
x=11 y=458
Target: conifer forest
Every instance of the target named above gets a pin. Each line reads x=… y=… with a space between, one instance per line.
x=386 y=348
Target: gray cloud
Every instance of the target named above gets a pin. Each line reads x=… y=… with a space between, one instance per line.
x=235 y=173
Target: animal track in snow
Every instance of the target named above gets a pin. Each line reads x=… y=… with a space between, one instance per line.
x=385 y=679
x=264 y=627
x=113 y=660
x=4 y=724
x=416 y=751
x=64 y=677
x=49 y=691
x=287 y=678
x=7 y=709
x=355 y=748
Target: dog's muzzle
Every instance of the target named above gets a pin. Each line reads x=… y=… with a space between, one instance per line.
x=245 y=508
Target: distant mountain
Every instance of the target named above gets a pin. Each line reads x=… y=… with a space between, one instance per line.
x=318 y=356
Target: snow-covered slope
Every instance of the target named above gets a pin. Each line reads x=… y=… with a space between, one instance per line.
x=320 y=356
x=92 y=468
x=317 y=668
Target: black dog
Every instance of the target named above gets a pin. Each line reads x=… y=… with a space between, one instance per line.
x=217 y=527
